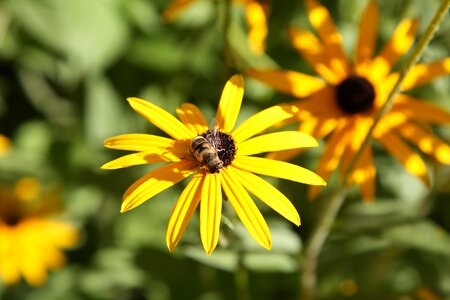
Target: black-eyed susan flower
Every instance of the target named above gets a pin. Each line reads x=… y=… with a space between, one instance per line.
x=342 y=104
x=255 y=15
x=31 y=242
x=215 y=158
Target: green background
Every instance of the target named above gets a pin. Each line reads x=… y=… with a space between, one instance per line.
x=66 y=68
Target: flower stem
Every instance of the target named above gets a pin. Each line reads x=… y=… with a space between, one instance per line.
x=313 y=248
x=308 y=272
x=228 y=56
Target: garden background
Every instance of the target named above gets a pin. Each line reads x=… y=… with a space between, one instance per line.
x=66 y=69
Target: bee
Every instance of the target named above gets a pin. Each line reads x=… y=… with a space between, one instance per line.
x=204 y=149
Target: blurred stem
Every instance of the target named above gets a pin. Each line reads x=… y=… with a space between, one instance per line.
x=241 y=280
x=308 y=273
x=228 y=55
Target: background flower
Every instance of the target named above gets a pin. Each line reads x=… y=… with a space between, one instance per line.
x=343 y=105
x=31 y=240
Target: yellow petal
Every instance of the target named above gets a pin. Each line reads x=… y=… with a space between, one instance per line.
x=321 y=20
x=321 y=104
x=183 y=210
x=275 y=142
x=5 y=145
x=267 y=193
x=288 y=82
x=246 y=209
x=175 y=8
x=426 y=141
x=420 y=110
x=192 y=117
x=257 y=25
x=9 y=272
x=278 y=169
x=210 y=212
x=421 y=74
x=230 y=103
x=397 y=46
x=141 y=158
x=138 y=142
x=161 y=119
x=262 y=120
x=409 y=159
x=330 y=159
x=358 y=128
x=155 y=182
x=364 y=174
x=31 y=266
x=309 y=47
x=367 y=36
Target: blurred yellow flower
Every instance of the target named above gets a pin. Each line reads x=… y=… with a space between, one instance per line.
x=5 y=145
x=219 y=158
x=343 y=104
x=255 y=14
x=30 y=241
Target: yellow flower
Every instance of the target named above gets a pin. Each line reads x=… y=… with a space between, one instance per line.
x=5 y=145
x=218 y=158
x=30 y=241
x=343 y=104
x=255 y=14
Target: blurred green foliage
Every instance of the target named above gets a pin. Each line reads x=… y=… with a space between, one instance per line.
x=66 y=68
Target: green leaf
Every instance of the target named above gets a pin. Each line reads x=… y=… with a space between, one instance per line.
x=90 y=34
x=424 y=236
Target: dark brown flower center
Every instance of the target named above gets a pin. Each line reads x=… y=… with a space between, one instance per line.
x=11 y=218
x=214 y=150
x=355 y=95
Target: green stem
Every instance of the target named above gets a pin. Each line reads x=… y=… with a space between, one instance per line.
x=308 y=274
x=313 y=248
x=228 y=56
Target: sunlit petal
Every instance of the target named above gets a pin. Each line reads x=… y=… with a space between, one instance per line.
x=289 y=82
x=398 y=45
x=426 y=141
x=161 y=119
x=321 y=20
x=364 y=174
x=192 y=117
x=230 y=103
x=262 y=120
x=210 y=212
x=246 y=209
x=257 y=25
x=275 y=142
x=409 y=159
x=267 y=193
x=367 y=36
x=183 y=210
x=421 y=74
x=278 y=169
x=138 y=142
x=155 y=182
x=309 y=47
x=141 y=158
x=421 y=110
x=330 y=159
